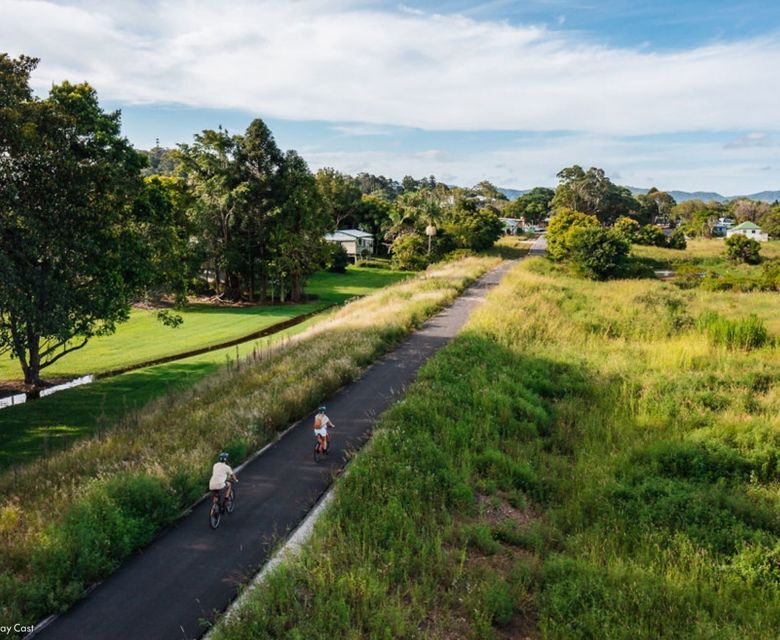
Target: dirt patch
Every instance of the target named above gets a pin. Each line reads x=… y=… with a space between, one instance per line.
x=495 y=509
x=453 y=618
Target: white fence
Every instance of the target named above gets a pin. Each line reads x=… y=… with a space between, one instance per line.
x=10 y=401
x=77 y=382
x=21 y=398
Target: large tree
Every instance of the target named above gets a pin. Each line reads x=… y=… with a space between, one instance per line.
x=77 y=249
x=341 y=197
x=259 y=209
x=533 y=206
x=655 y=206
x=298 y=226
x=593 y=193
x=219 y=196
x=260 y=163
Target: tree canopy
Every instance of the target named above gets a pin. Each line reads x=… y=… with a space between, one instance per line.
x=593 y=193
x=533 y=206
x=78 y=228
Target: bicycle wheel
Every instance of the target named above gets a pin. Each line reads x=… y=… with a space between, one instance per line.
x=214 y=514
x=317 y=453
x=230 y=502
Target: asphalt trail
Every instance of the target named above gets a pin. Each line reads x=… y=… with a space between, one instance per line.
x=191 y=572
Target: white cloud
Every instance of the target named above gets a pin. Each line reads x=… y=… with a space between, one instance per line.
x=336 y=61
x=755 y=139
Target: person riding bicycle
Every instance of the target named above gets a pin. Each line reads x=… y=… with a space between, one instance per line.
x=321 y=425
x=222 y=477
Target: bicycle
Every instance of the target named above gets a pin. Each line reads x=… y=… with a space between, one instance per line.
x=218 y=508
x=319 y=452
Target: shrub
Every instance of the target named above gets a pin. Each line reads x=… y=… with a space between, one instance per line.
x=770 y=276
x=410 y=253
x=742 y=249
x=338 y=259
x=597 y=252
x=744 y=333
x=626 y=227
x=650 y=235
x=677 y=240
x=475 y=230
x=497 y=601
x=561 y=225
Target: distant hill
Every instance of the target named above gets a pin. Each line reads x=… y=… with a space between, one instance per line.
x=512 y=194
x=679 y=196
x=706 y=196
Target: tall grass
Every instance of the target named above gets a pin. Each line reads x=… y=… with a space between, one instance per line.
x=68 y=520
x=584 y=462
x=744 y=333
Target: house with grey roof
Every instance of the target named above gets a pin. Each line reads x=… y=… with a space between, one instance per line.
x=357 y=243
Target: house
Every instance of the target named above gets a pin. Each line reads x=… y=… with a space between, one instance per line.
x=749 y=230
x=357 y=243
x=512 y=225
x=722 y=226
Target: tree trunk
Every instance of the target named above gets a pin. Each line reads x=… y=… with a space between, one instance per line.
x=32 y=368
x=232 y=286
x=295 y=288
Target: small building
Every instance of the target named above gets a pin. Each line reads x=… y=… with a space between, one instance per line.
x=749 y=230
x=512 y=225
x=357 y=243
x=722 y=226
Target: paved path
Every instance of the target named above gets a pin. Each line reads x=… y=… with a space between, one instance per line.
x=190 y=572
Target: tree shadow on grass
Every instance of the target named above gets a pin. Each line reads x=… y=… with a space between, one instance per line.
x=43 y=427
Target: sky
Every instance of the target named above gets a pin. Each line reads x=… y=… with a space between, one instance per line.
x=676 y=94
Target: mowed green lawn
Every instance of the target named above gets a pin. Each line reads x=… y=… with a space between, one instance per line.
x=47 y=425
x=143 y=338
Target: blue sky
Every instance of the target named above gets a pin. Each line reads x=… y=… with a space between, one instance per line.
x=681 y=95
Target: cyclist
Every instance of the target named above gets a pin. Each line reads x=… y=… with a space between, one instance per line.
x=321 y=425
x=222 y=477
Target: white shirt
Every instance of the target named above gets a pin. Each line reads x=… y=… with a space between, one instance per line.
x=321 y=422
x=219 y=475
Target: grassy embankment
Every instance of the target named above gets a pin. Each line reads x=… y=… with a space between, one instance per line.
x=588 y=460
x=69 y=519
x=51 y=424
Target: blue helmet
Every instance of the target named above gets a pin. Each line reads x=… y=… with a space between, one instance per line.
x=322 y=409
x=223 y=457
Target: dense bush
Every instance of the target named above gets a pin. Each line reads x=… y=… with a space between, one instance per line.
x=676 y=240
x=650 y=235
x=597 y=252
x=338 y=259
x=626 y=227
x=742 y=249
x=410 y=253
x=770 y=276
x=562 y=224
x=476 y=230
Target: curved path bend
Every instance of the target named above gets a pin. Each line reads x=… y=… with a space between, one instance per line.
x=190 y=572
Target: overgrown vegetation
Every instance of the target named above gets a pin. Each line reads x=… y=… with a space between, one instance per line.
x=70 y=519
x=587 y=460
x=704 y=264
x=742 y=249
